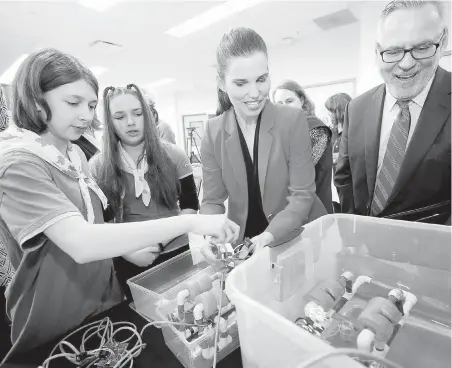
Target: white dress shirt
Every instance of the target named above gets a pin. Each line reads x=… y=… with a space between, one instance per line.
x=391 y=110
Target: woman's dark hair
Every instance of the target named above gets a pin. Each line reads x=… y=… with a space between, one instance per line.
x=336 y=105
x=161 y=175
x=41 y=72
x=307 y=105
x=239 y=42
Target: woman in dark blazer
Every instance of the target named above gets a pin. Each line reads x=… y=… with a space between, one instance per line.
x=290 y=93
x=254 y=153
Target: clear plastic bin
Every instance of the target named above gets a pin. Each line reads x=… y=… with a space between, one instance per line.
x=268 y=290
x=190 y=353
x=155 y=295
x=162 y=282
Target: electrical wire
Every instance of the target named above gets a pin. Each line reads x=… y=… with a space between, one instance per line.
x=355 y=352
x=78 y=330
x=69 y=356
x=105 y=330
x=134 y=333
x=50 y=358
x=129 y=355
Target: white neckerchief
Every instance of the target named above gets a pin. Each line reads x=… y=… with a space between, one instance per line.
x=15 y=138
x=129 y=166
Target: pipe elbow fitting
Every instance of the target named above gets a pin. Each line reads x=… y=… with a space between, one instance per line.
x=360 y=280
x=182 y=296
x=410 y=302
x=198 y=312
x=365 y=340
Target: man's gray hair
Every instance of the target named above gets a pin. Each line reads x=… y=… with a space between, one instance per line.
x=409 y=4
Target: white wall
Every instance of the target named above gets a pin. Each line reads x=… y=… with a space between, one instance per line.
x=166 y=107
x=191 y=103
x=173 y=106
x=326 y=57
x=367 y=74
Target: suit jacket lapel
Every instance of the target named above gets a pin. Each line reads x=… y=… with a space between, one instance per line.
x=234 y=151
x=265 y=144
x=434 y=113
x=372 y=136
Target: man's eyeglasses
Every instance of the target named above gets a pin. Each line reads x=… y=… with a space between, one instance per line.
x=418 y=53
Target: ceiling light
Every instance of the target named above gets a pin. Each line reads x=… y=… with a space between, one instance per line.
x=288 y=40
x=161 y=82
x=8 y=76
x=211 y=16
x=98 y=5
x=98 y=70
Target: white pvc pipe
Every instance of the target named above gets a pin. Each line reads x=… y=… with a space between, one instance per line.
x=365 y=340
x=182 y=296
x=361 y=280
x=198 y=312
x=410 y=302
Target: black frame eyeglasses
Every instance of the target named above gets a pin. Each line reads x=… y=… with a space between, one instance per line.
x=417 y=53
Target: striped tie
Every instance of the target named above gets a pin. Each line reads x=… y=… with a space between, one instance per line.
x=395 y=152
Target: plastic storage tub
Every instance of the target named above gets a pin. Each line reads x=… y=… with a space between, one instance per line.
x=268 y=289
x=155 y=293
x=162 y=281
x=190 y=353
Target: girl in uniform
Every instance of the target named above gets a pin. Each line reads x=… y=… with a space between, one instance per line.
x=51 y=220
x=143 y=177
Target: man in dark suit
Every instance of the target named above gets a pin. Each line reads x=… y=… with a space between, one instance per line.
x=395 y=154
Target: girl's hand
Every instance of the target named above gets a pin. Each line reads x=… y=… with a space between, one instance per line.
x=219 y=227
x=210 y=250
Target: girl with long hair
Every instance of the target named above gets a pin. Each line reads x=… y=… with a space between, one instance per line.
x=142 y=176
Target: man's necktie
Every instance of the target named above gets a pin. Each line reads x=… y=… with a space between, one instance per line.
x=392 y=161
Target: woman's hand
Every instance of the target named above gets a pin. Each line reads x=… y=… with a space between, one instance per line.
x=260 y=241
x=219 y=227
x=210 y=250
x=144 y=257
